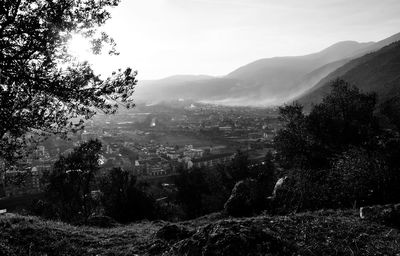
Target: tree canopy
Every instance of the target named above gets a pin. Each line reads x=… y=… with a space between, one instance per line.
x=43 y=89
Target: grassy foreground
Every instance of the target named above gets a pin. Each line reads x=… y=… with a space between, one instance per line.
x=319 y=233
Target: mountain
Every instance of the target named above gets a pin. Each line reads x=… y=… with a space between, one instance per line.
x=378 y=45
x=263 y=82
x=270 y=81
x=158 y=90
x=279 y=78
x=375 y=72
x=313 y=78
x=267 y=68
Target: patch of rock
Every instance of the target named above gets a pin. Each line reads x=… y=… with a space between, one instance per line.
x=242 y=199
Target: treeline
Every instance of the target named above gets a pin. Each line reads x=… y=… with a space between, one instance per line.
x=76 y=189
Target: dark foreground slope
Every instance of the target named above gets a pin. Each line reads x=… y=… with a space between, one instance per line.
x=322 y=233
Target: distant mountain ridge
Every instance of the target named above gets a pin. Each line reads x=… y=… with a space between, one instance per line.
x=265 y=82
x=374 y=72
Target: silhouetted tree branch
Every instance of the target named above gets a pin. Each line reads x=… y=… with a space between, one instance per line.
x=43 y=89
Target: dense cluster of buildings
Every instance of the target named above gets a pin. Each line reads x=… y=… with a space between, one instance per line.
x=153 y=159
x=166 y=159
x=25 y=177
x=132 y=142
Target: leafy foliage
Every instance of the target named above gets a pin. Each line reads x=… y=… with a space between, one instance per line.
x=293 y=141
x=344 y=118
x=42 y=87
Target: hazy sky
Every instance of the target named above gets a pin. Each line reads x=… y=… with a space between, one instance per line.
x=160 y=38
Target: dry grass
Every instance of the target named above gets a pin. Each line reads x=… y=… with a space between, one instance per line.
x=318 y=233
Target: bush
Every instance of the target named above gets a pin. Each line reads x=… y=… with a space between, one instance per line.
x=357 y=178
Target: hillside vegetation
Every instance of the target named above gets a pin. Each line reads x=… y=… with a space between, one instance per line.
x=375 y=72
x=319 y=233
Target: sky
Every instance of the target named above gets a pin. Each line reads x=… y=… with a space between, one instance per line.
x=160 y=38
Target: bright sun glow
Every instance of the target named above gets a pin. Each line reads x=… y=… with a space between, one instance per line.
x=79 y=47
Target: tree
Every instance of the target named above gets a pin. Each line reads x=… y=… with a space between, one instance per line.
x=293 y=143
x=71 y=182
x=192 y=185
x=43 y=89
x=344 y=118
x=122 y=200
x=391 y=110
x=238 y=169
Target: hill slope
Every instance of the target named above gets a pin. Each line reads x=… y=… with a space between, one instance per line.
x=273 y=69
x=375 y=72
x=264 y=82
x=158 y=90
x=270 y=81
x=320 y=233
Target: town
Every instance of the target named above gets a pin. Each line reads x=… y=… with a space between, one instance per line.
x=153 y=141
